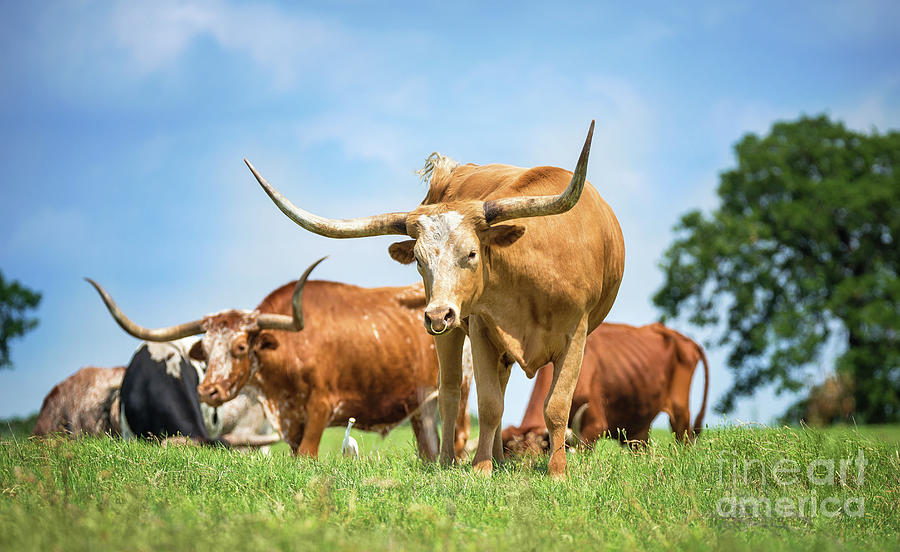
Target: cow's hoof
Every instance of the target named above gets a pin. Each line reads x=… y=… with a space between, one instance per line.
x=448 y=461
x=484 y=468
x=557 y=466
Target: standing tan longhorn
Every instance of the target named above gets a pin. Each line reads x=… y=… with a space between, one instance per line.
x=526 y=292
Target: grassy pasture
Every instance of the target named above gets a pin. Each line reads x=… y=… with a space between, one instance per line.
x=103 y=494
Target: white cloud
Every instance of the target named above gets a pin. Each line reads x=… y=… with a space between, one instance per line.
x=285 y=45
x=156 y=33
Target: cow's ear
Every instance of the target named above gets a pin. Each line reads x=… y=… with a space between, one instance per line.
x=266 y=342
x=196 y=351
x=503 y=235
x=402 y=252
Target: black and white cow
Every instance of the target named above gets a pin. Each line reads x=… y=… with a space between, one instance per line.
x=159 y=395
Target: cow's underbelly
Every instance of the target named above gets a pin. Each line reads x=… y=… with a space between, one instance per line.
x=379 y=415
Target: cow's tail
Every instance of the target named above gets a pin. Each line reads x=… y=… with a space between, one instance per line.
x=698 y=421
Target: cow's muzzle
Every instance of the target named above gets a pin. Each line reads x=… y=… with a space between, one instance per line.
x=439 y=320
x=212 y=394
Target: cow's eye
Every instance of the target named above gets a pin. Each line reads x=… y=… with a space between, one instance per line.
x=472 y=255
x=241 y=349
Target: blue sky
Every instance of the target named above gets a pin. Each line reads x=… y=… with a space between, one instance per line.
x=123 y=126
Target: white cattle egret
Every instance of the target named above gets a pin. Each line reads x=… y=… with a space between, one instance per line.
x=349 y=447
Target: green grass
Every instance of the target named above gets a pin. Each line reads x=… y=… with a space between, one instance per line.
x=17 y=427
x=103 y=494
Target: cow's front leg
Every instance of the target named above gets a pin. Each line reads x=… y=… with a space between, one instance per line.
x=488 y=384
x=566 y=369
x=449 y=351
x=318 y=416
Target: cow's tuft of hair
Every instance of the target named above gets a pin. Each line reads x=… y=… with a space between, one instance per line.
x=437 y=167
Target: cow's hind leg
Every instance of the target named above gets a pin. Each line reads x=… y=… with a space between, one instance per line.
x=424 y=426
x=449 y=350
x=488 y=384
x=680 y=422
x=504 y=370
x=679 y=403
x=463 y=424
x=566 y=369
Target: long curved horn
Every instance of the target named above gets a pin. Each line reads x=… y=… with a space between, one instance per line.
x=378 y=225
x=499 y=210
x=162 y=334
x=293 y=323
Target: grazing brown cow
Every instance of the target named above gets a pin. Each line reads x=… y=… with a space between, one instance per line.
x=85 y=403
x=629 y=375
x=526 y=292
x=362 y=354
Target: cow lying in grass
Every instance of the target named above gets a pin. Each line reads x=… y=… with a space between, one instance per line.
x=85 y=403
x=629 y=375
x=154 y=397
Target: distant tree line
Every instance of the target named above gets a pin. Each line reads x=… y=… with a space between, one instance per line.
x=802 y=248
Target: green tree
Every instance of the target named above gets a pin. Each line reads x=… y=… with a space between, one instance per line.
x=15 y=301
x=803 y=247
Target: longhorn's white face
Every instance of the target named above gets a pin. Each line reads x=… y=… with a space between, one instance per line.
x=448 y=256
x=226 y=346
x=217 y=346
